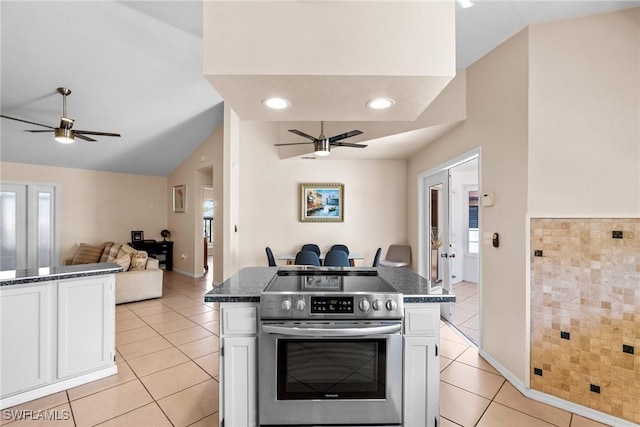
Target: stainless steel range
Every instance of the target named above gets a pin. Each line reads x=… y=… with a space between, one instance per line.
x=330 y=349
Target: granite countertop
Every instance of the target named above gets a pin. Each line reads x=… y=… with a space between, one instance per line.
x=19 y=277
x=247 y=285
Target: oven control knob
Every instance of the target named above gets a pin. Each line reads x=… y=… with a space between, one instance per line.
x=286 y=305
x=391 y=305
x=377 y=304
x=300 y=305
x=364 y=305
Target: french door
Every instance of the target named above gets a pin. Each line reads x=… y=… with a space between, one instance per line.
x=28 y=226
x=438 y=235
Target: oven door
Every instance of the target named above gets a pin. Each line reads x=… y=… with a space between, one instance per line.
x=327 y=373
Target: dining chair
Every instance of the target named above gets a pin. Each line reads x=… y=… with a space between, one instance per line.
x=270 y=258
x=307 y=258
x=311 y=247
x=336 y=258
x=397 y=256
x=340 y=248
x=376 y=258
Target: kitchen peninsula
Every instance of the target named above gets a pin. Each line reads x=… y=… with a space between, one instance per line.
x=400 y=306
x=57 y=327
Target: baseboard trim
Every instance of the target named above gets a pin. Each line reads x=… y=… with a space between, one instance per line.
x=593 y=414
x=46 y=390
x=188 y=273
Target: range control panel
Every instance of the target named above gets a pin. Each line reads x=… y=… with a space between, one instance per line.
x=305 y=306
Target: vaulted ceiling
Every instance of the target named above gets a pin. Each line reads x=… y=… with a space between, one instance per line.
x=135 y=67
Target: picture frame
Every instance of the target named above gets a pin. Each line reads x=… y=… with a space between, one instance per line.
x=137 y=236
x=322 y=202
x=179 y=198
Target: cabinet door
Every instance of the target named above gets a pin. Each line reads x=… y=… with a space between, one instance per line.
x=422 y=381
x=27 y=331
x=240 y=381
x=86 y=324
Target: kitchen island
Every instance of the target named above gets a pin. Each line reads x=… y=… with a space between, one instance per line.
x=239 y=298
x=57 y=329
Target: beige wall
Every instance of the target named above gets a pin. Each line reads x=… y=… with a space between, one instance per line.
x=497 y=122
x=584 y=140
x=186 y=228
x=98 y=206
x=375 y=200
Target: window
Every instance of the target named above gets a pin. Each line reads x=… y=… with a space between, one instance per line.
x=208 y=207
x=471 y=224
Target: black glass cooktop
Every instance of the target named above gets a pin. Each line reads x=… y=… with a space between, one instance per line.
x=323 y=280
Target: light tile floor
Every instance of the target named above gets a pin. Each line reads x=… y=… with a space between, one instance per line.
x=464 y=312
x=167 y=355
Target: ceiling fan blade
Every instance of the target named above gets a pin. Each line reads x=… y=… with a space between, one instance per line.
x=26 y=121
x=89 y=132
x=348 y=144
x=39 y=131
x=86 y=138
x=293 y=143
x=302 y=134
x=345 y=135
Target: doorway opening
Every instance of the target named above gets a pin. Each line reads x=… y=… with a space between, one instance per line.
x=449 y=246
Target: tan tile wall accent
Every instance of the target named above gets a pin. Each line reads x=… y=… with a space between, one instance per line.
x=587 y=283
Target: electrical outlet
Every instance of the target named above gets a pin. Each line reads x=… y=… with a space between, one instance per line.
x=537 y=252
x=594 y=388
x=627 y=349
x=184 y=257
x=537 y=371
x=617 y=234
x=565 y=335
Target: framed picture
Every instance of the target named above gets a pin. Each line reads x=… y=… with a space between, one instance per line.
x=322 y=202
x=179 y=198
x=137 y=236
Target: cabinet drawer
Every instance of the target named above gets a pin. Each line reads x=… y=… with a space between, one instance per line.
x=239 y=321
x=422 y=321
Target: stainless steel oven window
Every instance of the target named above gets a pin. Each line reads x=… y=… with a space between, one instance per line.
x=331 y=369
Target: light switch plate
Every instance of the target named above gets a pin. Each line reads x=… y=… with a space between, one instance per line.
x=487 y=238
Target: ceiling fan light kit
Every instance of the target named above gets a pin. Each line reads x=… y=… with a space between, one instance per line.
x=321 y=147
x=64 y=134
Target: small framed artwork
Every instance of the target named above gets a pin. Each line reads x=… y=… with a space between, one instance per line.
x=179 y=197
x=322 y=202
x=137 y=236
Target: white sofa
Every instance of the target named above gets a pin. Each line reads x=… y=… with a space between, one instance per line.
x=136 y=284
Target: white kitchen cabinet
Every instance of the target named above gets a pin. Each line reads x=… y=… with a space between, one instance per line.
x=86 y=322
x=239 y=364
x=421 y=365
x=55 y=335
x=27 y=333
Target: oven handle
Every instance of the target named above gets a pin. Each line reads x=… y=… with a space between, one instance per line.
x=331 y=332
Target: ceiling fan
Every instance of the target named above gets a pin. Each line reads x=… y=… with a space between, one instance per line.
x=322 y=144
x=64 y=133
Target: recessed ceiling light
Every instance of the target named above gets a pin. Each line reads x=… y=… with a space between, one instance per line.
x=380 y=103
x=277 y=103
x=465 y=4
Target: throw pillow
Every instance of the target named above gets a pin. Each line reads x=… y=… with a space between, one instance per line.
x=87 y=254
x=124 y=262
x=105 y=252
x=113 y=253
x=139 y=260
x=125 y=250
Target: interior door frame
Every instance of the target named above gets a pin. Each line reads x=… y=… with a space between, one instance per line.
x=423 y=230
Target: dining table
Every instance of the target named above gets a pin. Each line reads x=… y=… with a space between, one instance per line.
x=291 y=257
